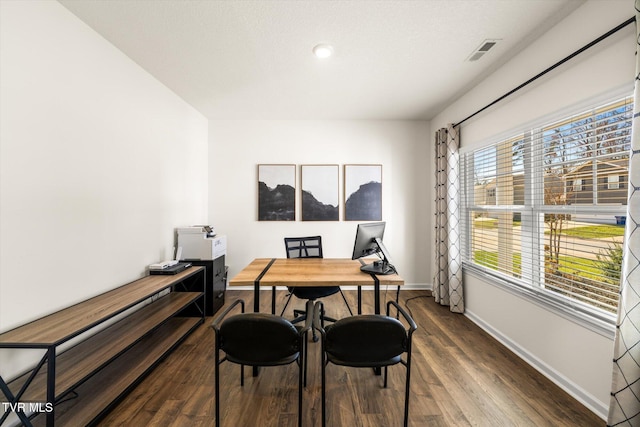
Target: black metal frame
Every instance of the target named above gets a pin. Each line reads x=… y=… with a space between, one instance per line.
x=195 y=308
x=49 y=359
x=300 y=359
x=325 y=358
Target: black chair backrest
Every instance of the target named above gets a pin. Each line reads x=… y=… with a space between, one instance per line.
x=259 y=338
x=366 y=340
x=303 y=247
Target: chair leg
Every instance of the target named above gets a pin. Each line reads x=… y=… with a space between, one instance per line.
x=241 y=375
x=385 y=376
x=304 y=361
x=347 y=304
x=309 y=312
x=300 y=317
x=313 y=330
x=406 y=394
x=217 y=389
x=323 y=391
x=301 y=366
x=286 y=304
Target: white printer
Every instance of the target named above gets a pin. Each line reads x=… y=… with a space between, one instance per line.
x=201 y=242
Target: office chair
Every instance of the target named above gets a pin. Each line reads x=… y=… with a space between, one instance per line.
x=308 y=247
x=259 y=339
x=367 y=340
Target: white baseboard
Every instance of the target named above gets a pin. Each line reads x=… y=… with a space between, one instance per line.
x=596 y=406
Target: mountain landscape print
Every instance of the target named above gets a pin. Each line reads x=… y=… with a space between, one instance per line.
x=320 y=190
x=314 y=210
x=276 y=193
x=363 y=192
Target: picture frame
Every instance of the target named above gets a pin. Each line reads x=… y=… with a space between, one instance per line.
x=276 y=192
x=363 y=192
x=320 y=192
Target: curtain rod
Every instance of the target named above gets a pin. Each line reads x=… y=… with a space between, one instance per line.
x=557 y=64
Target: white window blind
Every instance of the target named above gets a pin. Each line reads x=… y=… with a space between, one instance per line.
x=545 y=209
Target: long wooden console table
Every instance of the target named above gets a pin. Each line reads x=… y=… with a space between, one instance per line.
x=78 y=386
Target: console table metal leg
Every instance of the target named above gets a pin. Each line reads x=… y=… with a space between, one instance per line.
x=13 y=400
x=51 y=385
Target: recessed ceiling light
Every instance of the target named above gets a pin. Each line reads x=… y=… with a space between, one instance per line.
x=323 y=50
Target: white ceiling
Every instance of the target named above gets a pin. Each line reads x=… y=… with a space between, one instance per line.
x=394 y=59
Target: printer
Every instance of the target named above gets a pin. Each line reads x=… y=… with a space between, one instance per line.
x=201 y=243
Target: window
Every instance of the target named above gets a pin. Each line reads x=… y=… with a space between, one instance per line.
x=577 y=184
x=550 y=231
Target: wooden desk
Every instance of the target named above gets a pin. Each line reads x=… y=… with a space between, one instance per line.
x=310 y=272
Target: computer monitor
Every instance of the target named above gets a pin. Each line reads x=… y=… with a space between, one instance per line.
x=369 y=242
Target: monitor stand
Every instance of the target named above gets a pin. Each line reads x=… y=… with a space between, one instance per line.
x=377 y=267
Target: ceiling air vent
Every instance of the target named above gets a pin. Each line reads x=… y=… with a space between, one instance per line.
x=484 y=48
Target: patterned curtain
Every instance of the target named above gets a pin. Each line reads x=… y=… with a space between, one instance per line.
x=624 y=409
x=447 y=282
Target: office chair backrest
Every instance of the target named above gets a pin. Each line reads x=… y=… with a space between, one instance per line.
x=259 y=338
x=366 y=340
x=369 y=340
x=303 y=247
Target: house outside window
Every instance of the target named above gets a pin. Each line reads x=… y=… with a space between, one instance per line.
x=550 y=232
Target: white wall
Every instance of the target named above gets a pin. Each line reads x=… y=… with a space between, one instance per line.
x=575 y=357
x=237 y=147
x=99 y=164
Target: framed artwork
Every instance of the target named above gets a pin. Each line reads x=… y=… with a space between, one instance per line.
x=276 y=192
x=320 y=192
x=363 y=192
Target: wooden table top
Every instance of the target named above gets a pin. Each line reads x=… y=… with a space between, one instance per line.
x=69 y=322
x=309 y=272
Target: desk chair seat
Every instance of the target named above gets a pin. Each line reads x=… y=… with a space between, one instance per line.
x=308 y=247
x=259 y=339
x=368 y=340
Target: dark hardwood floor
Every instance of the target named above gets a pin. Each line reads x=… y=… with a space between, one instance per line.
x=461 y=376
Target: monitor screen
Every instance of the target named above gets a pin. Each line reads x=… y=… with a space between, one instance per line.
x=366 y=235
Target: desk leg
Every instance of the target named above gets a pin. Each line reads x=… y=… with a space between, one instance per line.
x=376 y=295
x=376 y=286
x=376 y=308
x=256 y=309
x=256 y=299
x=359 y=299
x=256 y=296
x=273 y=300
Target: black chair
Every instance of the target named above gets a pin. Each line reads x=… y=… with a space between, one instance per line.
x=308 y=247
x=259 y=339
x=367 y=340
